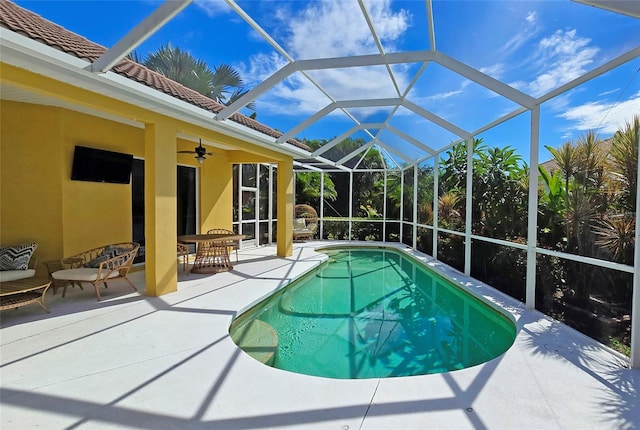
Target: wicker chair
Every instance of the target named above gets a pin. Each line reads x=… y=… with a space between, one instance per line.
x=305 y=222
x=234 y=245
x=183 y=252
x=97 y=266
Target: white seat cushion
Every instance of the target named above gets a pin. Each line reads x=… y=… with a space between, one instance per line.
x=80 y=274
x=12 y=275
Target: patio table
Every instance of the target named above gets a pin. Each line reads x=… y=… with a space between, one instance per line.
x=21 y=292
x=212 y=253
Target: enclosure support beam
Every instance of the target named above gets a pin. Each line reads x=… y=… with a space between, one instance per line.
x=532 y=213
x=350 y=203
x=401 y=205
x=271 y=207
x=321 y=221
x=635 y=303
x=436 y=171
x=415 y=207
x=384 y=207
x=467 y=209
x=138 y=34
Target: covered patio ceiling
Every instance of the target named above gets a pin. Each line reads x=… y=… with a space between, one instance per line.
x=385 y=112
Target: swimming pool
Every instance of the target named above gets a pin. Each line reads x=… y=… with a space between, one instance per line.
x=370 y=313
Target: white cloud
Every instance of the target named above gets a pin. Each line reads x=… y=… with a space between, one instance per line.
x=434 y=100
x=337 y=28
x=603 y=117
x=563 y=56
x=606 y=93
x=559 y=104
x=495 y=71
x=443 y=96
x=523 y=33
x=295 y=95
x=213 y=7
x=532 y=17
x=331 y=29
x=261 y=66
x=566 y=136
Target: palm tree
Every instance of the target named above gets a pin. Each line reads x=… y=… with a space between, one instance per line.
x=624 y=161
x=180 y=66
x=226 y=85
x=576 y=206
x=449 y=214
x=617 y=236
x=308 y=188
x=591 y=158
x=223 y=84
x=567 y=159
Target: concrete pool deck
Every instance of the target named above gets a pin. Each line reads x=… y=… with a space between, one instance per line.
x=167 y=362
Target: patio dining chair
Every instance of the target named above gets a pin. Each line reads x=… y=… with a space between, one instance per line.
x=183 y=253
x=233 y=245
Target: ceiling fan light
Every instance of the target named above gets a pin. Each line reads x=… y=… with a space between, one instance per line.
x=200 y=159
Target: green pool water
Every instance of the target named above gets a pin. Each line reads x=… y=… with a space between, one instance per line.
x=370 y=313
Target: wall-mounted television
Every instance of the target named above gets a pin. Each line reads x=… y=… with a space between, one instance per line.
x=99 y=165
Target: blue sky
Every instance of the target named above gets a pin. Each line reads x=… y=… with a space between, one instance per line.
x=532 y=46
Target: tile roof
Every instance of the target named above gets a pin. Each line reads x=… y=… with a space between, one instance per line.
x=29 y=24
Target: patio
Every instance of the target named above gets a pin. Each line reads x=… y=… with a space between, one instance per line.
x=133 y=361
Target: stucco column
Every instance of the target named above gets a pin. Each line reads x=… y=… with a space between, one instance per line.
x=285 y=208
x=160 y=188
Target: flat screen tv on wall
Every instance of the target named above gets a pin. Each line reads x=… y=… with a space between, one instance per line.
x=98 y=165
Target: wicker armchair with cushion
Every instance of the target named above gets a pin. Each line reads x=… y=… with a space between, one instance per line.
x=305 y=222
x=95 y=266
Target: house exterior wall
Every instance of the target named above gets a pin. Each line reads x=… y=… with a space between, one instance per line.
x=31 y=178
x=94 y=214
x=40 y=202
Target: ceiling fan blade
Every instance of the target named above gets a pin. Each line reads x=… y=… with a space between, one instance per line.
x=186 y=152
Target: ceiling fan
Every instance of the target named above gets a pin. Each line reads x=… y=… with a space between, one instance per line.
x=200 y=152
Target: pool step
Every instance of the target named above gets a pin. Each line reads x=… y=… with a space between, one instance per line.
x=259 y=340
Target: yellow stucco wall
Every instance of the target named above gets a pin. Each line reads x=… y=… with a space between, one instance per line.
x=30 y=178
x=216 y=193
x=95 y=214
x=40 y=202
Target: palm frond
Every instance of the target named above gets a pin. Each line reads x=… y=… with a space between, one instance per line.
x=617 y=237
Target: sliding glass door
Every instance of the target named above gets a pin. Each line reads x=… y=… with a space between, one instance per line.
x=137 y=207
x=187 y=214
